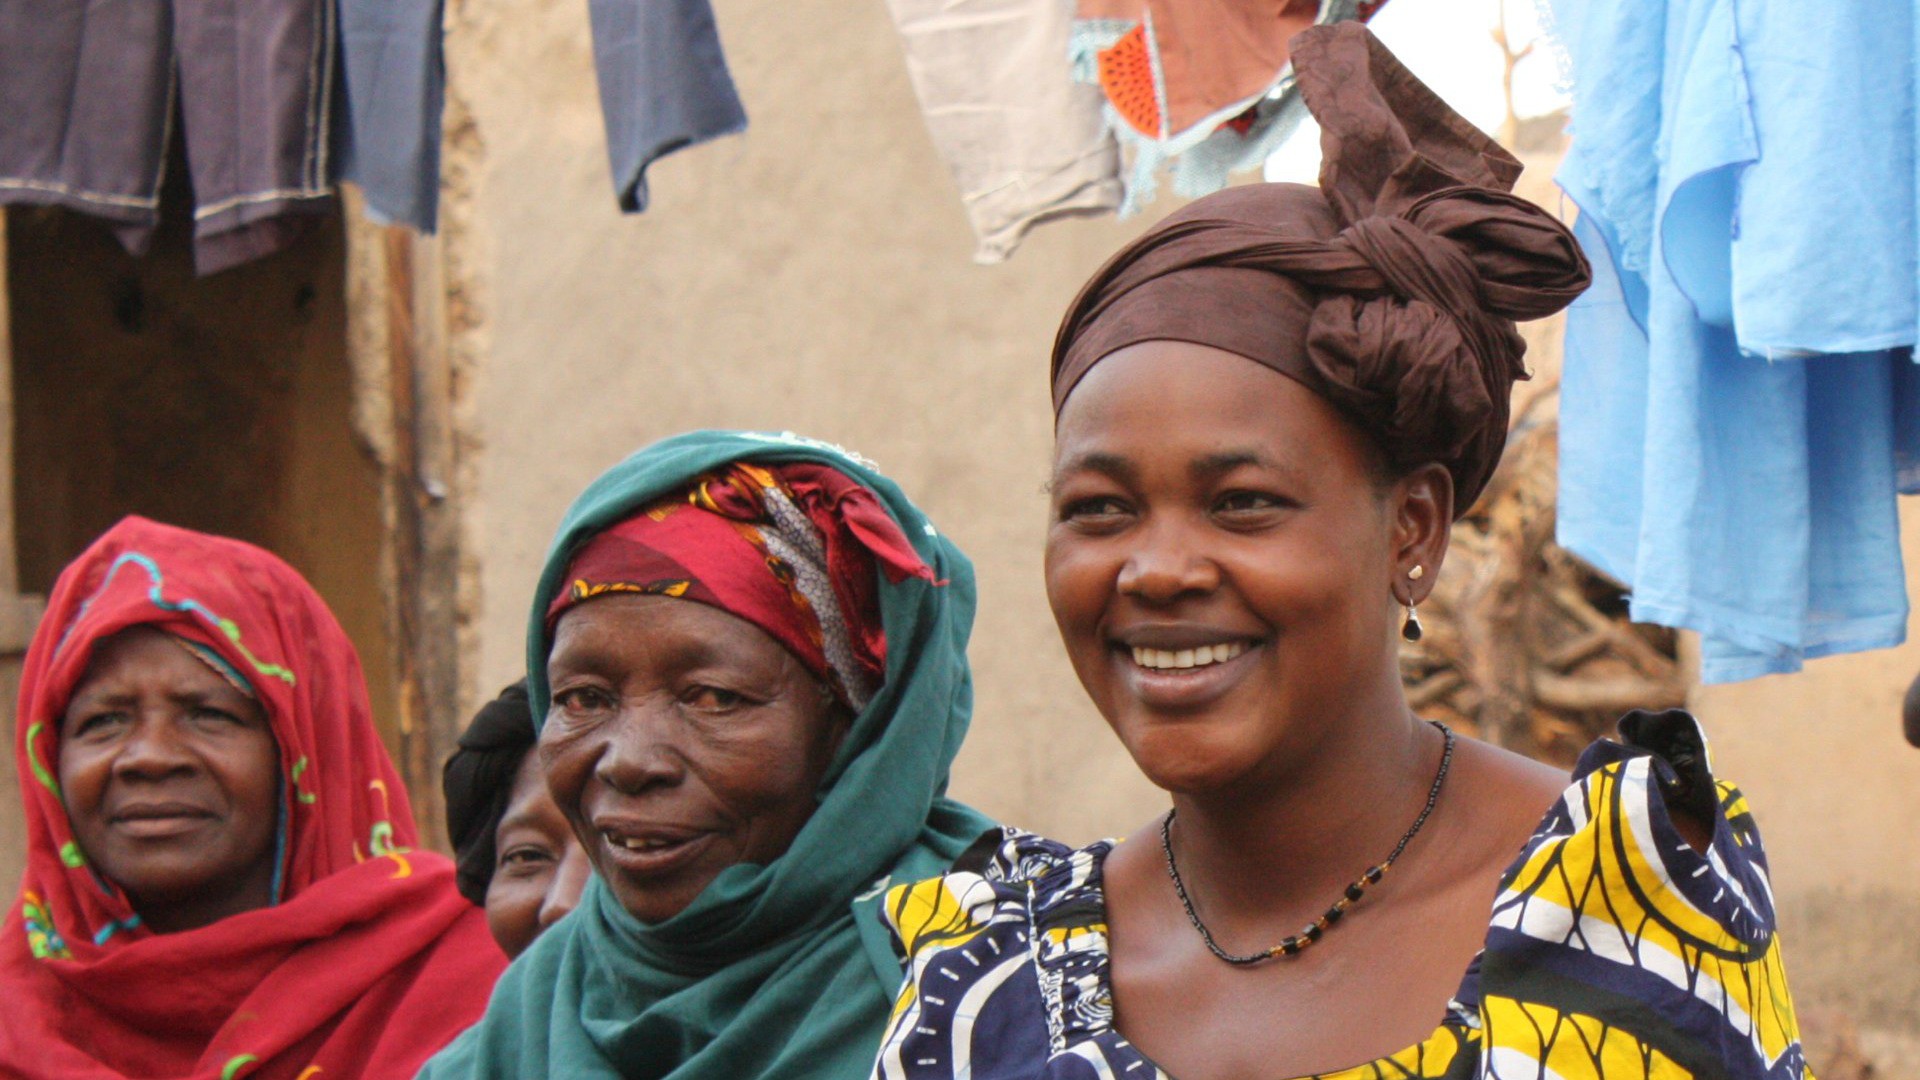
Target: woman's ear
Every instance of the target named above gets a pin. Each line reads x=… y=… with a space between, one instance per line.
x=1422 y=510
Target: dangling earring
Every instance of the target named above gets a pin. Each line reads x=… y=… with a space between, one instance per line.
x=1410 y=629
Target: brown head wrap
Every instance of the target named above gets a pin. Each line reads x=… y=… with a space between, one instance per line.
x=1390 y=290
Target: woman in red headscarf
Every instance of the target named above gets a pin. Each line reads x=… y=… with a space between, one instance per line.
x=221 y=880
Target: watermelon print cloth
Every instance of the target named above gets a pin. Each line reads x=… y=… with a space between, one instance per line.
x=1203 y=88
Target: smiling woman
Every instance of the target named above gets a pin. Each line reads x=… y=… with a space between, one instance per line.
x=703 y=707
x=516 y=855
x=222 y=879
x=748 y=654
x=1269 y=410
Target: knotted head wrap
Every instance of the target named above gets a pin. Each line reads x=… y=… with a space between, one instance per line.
x=1391 y=290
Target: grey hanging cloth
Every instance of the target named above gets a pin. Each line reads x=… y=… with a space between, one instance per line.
x=1025 y=142
x=89 y=93
x=395 y=89
x=664 y=85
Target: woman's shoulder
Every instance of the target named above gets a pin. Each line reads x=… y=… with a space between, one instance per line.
x=1645 y=808
x=1011 y=854
x=1516 y=804
x=1507 y=796
x=1649 y=817
x=1613 y=922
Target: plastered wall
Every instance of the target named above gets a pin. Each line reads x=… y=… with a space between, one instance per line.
x=1836 y=791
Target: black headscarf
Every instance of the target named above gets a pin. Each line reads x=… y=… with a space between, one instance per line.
x=478 y=781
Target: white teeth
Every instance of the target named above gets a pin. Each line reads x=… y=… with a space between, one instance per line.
x=635 y=844
x=1161 y=659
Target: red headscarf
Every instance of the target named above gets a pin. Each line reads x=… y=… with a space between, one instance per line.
x=789 y=548
x=370 y=961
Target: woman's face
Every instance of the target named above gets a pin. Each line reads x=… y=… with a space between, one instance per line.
x=681 y=740
x=169 y=774
x=1220 y=560
x=539 y=869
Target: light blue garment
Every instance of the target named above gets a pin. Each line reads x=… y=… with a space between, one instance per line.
x=1739 y=402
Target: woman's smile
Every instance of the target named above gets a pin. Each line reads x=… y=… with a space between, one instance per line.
x=644 y=853
x=1183 y=659
x=1184 y=676
x=159 y=820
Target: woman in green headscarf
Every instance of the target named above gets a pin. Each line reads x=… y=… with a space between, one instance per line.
x=747 y=654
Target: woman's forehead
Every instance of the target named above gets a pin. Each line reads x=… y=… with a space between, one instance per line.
x=138 y=650
x=1196 y=408
x=527 y=797
x=626 y=627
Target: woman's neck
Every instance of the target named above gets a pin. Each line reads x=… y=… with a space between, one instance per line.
x=201 y=908
x=1298 y=834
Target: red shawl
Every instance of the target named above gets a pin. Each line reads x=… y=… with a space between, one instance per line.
x=370 y=962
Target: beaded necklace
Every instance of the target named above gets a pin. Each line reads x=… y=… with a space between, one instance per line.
x=1294 y=943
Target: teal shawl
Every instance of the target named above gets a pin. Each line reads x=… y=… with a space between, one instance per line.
x=783 y=970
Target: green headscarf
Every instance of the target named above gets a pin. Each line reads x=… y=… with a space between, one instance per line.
x=783 y=970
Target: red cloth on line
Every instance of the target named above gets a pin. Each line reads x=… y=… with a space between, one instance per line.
x=371 y=961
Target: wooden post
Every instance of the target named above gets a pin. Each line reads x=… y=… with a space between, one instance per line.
x=424 y=531
x=18 y=614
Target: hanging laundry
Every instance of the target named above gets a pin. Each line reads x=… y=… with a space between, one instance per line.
x=664 y=85
x=1025 y=142
x=89 y=93
x=394 y=83
x=1202 y=86
x=1739 y=404
x=663 y=80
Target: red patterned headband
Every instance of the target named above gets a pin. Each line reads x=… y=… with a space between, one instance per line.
x=791 y=549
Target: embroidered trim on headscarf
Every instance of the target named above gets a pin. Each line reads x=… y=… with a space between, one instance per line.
x=217 y=663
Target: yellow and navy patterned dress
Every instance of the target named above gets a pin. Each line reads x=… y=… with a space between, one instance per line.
x=1614 y=950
